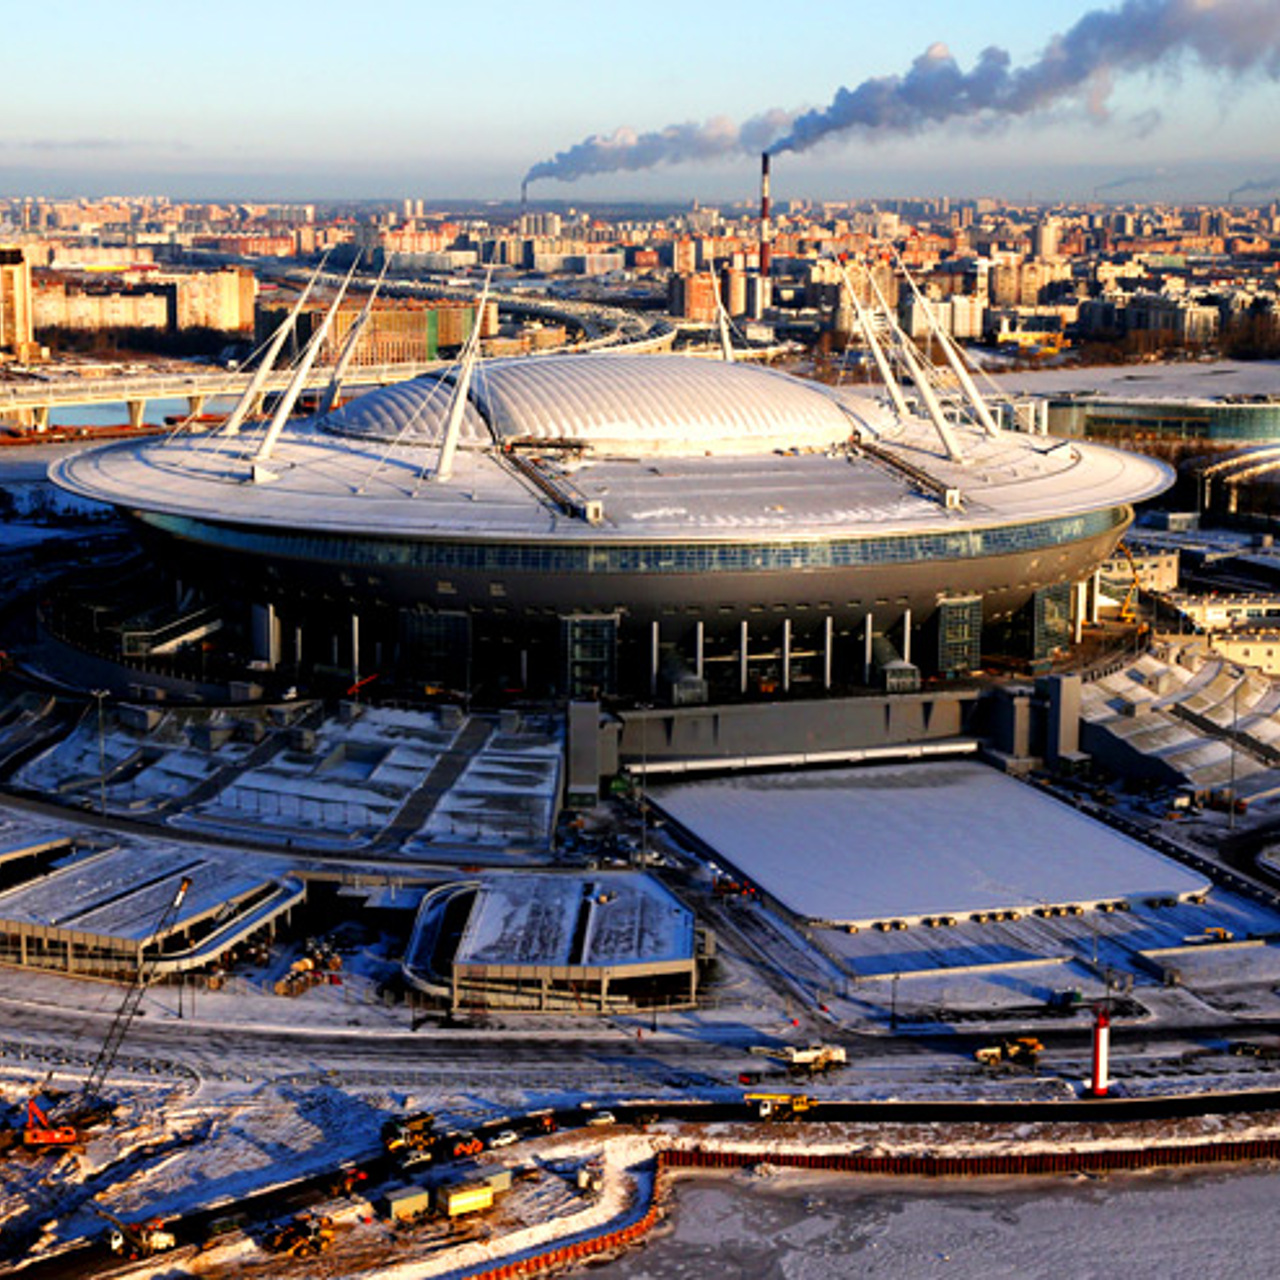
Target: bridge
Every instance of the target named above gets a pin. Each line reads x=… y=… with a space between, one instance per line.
x=604 y=328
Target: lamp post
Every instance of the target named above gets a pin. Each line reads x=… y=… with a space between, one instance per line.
x=644 y=773
x=1235 y=730
x=101 y=695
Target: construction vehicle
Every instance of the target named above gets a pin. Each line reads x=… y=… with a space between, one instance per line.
x=1025 y=1051
x=1213 y=933
x=304 y=1237
x=64 y=1124
x=459 y=1143
x=414 y=1132
x=136 y=1240
x=780 y=1106
x=1128 y=606
x=40 y=1131
x=811 y=1060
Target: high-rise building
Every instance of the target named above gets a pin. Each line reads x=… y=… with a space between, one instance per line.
x=16 y=330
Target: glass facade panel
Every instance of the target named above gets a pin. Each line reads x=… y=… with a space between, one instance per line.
x=647 y=558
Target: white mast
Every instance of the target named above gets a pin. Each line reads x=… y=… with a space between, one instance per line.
x=294 y=390
x=232 y=425
x=887 y=376
x=921 y=380
x=722 y=320
x=349 y=347
x=952 y=352
x=461 y=388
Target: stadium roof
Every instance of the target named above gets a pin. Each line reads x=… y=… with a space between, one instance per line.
x=674 y=448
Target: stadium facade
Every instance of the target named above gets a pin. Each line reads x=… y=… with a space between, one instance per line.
x=647 y=526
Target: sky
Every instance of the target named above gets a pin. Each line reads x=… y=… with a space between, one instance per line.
x=323 y=100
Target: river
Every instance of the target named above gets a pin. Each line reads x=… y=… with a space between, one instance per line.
x=1156 y=1226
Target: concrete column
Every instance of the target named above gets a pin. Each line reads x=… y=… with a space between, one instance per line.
x=355 y=647
x=744 y=636
x=266 y=634
x=869 y=623
x=1095 y=591
x=654 y=650
x=136 y=409
x=1079 y=590
x=786 y=655
x=828 y=643
x=699 y=641
x=906 y=636
x=195 y=405
x=40 y=417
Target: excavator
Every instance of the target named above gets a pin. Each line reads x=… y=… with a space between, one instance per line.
x=304 y=1237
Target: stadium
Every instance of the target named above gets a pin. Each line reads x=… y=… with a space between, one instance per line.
x=643 y=526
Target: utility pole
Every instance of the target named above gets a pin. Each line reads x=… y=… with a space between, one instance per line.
x=101 y=695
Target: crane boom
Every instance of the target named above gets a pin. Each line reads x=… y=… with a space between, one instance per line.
x=132 y=1000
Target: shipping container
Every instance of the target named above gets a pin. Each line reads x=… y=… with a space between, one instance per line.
x=464 y=1197
x=404 y=1203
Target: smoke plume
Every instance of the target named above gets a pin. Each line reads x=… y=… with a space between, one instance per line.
x=1133 y=180
x=1223 y=36
x=1254 y=184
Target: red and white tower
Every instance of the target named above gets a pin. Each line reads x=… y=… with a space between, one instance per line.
x=1101 y=1051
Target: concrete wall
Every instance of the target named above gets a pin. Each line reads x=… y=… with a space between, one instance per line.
x=779 y=727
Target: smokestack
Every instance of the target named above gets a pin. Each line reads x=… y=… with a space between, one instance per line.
x=766 y=248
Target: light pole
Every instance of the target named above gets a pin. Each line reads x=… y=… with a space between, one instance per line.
x=101 y=695
x=644 y=773
x=1235 y=730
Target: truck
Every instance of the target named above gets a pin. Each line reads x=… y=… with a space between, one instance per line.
x=810 y=1060
x=779 y=1106
x=134 y=1240
x=1025 y=1051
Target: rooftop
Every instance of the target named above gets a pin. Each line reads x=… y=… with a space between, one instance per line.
x=672 y=447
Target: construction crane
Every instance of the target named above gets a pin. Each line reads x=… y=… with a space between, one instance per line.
x=64 y=1129
x=132 y=1000
x=779 y=1106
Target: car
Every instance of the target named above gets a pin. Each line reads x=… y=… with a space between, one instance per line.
x=504 y=1139
x=603 y=1117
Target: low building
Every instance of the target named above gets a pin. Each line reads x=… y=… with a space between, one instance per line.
x=612 y=942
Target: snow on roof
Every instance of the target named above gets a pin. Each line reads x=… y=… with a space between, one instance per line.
x=544 y=919
x=859 y=845
x=672 y=402
x=1181 y=381
x=123 y=892
x=675 y=448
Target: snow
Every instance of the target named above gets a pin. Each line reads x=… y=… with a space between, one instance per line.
x=533 y=919
x=893 y=841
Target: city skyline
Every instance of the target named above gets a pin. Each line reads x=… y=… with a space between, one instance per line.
x=295 y=106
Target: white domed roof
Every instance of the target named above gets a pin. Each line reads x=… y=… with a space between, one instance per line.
x=612 y=403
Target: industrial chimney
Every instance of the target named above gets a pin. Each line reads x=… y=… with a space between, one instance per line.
x=766 y=248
